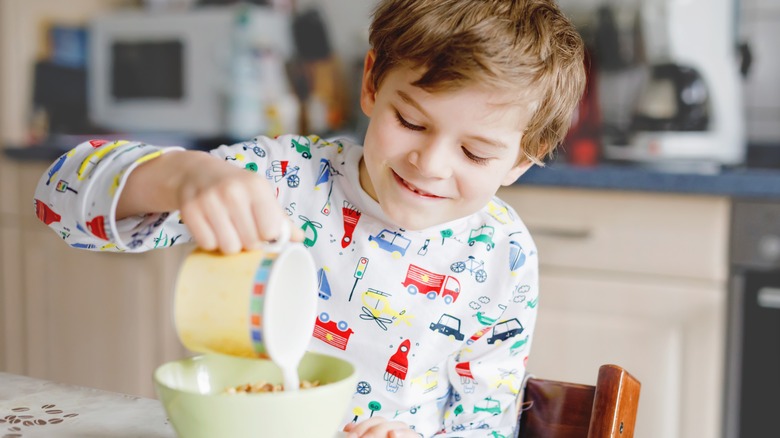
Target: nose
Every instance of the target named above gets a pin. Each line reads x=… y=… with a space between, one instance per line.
x=432 y=159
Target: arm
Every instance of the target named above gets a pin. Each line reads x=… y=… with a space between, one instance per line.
x=120 y=195
x=225 y=207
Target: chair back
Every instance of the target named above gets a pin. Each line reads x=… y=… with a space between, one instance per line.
x=553 y=409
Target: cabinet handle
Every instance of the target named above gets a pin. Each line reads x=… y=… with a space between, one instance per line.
x=560 y=232
x=769 y=297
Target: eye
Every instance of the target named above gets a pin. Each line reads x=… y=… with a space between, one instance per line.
x=474 y=158
x=406 y=124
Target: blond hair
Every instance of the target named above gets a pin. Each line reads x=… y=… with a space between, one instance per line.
x=526 y=47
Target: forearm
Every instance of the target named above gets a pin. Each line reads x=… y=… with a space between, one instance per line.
x=153 y=187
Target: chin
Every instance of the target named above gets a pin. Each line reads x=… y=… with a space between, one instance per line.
x=410 y=223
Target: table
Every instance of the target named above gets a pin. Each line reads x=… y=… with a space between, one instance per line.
x=31 y=408
x=35 y=408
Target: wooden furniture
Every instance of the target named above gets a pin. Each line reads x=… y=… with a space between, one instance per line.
x=639 y=279
x=94 y=319
x=552 y=409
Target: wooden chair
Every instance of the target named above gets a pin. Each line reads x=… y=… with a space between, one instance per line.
x=553 y=409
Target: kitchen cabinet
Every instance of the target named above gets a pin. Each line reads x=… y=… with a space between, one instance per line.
x=10 y=278
x=95 y=319
x=636 y=279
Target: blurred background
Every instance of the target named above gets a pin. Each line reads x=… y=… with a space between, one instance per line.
x=658 y=219
x=686 y=80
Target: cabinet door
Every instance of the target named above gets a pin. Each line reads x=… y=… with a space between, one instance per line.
x=11 y=296
x=668 y=333
x=97 y=319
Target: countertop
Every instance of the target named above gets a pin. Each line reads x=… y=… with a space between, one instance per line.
x=737 y=183
x=745 y=182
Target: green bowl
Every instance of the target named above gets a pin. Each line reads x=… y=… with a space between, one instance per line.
x=193 y=394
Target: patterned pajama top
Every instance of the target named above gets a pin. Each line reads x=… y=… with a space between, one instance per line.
x=438 y=322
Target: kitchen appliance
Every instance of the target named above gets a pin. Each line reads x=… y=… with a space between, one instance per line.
x=753 y=361
x=172 y=71
x=689 y=108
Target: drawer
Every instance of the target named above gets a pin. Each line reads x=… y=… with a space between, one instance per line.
x=626 y=232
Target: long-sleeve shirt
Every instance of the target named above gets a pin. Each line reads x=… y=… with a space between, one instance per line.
x=438 y=322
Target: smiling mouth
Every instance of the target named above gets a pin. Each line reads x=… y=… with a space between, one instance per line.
x=414 y=189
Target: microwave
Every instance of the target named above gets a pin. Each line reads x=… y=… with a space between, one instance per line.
x=170 y=71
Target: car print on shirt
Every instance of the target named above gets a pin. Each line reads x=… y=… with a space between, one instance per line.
x=505 y=330
x=483 y=234
x=488 y=405
x=419 y=280
x=302 y=145
x=448 y=325
x=390 y=241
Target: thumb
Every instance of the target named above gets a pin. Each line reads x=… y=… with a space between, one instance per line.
x=296 y=234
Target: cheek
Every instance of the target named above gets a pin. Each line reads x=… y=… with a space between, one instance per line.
x=389 y=139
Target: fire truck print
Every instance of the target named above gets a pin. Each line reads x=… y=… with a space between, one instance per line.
x=431 y=284
x=336 y=335
x=466 y=378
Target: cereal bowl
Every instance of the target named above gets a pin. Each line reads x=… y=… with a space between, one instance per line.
x=197 y=398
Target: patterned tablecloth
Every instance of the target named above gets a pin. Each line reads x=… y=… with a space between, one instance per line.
x=34 y=408
x=31 y=408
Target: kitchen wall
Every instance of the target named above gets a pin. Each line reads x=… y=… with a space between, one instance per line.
x=22 y=35
x=756 y=21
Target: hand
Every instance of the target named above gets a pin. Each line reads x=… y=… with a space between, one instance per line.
x=378 y=427
x=228 y=208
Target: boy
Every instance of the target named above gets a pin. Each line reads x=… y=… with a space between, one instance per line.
x=463 y=97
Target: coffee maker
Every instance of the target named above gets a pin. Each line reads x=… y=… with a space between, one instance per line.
x=689 y=109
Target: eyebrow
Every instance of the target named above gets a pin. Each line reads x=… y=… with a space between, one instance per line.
x=408 y=99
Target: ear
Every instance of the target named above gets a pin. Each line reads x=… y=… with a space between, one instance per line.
x=516 y=172
x=367 y=90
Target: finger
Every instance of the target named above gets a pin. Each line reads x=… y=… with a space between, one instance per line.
x=240 y=211
x=220 y=221
x=358 y=429
x=385 y=430
x=268 y=218
x=297 y=234
x=375 y=427
x=199 y=227
x=403 y=433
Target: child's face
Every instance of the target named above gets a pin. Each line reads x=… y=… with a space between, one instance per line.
x=432 y=158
